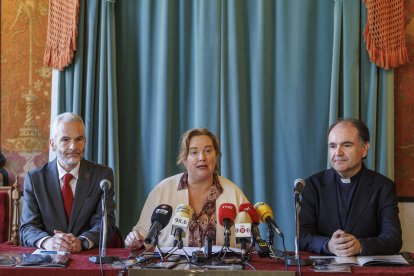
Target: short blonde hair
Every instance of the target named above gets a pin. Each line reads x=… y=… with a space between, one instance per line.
x=185 y=144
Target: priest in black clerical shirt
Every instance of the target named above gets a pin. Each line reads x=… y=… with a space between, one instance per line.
x=349 y=210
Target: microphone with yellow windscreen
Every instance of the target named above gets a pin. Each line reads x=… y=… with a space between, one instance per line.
x=182 y=217
x=266 y=215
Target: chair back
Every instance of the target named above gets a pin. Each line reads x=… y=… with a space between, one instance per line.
x=5 y=213
x=117 y=240
x=9 y=214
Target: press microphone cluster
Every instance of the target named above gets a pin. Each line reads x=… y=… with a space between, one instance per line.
x=245 y=221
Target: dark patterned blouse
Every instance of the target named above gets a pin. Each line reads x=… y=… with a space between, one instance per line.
x=203 y=225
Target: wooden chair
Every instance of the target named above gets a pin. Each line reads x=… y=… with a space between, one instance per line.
x=9 y=214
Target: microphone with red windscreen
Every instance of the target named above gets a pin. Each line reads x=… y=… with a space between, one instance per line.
x=226 y=214
x=249 y=208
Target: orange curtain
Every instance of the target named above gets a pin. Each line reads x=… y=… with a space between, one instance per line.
x=62 y=32
x=384 y=33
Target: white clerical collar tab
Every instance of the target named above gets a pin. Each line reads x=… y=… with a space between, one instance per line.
x=346 y=180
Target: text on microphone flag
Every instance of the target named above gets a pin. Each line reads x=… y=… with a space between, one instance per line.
x=181 y=221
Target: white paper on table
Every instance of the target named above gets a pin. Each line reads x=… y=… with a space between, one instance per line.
x=49 y=252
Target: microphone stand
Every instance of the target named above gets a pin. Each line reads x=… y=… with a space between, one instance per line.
x=270 y=235
x=154 y=244
x=179 y=241
x=243 y=257
x=297 y=260
x=178 y=244
x=227 y=238
x=157 y=246
x=243 y=249
x=102 y=258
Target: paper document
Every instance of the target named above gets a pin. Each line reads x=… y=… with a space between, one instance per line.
x=365 y=260
x=49 y=252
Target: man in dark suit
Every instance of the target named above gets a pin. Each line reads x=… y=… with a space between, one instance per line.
x=62 y=199
x=349 y=210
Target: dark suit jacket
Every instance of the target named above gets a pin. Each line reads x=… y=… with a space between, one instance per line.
x=373 y=216
x=43 y=209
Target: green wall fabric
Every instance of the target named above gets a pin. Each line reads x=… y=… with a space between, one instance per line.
x=88 y=87
x=257 y=73
x=267 y=77
x=359 y=88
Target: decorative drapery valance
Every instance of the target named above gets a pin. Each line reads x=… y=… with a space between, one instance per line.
x=62 y=32
x=384 y=33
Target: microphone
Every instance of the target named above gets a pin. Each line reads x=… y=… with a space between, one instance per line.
x=262 y=247
x=183 y=214
x=298 y=186
x=242 y=227
x=208 y=247
x=243 y=232
x=266 y=215
x=226 y=215
x=249 y=208
x=105 y=184
x=159 y=219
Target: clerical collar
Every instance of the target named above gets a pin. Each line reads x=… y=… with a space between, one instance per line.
x=352 y=179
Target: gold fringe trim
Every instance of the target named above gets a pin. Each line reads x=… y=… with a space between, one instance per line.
x=384 y=33
x=62 y=33
x=386 y=59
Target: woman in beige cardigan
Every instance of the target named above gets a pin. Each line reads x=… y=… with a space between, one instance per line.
x=198 y=186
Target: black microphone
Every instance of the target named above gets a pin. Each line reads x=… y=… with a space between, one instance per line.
x=159 y=219
x=298 y=186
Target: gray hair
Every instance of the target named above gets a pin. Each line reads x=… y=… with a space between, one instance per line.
x=64 y=117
